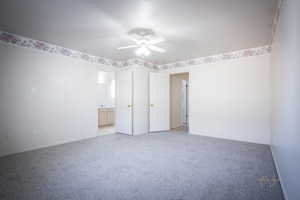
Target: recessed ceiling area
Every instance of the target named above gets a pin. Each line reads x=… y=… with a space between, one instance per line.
x=191 y=28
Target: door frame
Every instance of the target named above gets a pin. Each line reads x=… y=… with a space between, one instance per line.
x=187 y=95
x=106 y=70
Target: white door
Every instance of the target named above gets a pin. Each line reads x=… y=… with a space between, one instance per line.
x=140 y=101
x=159 y=91
x=124 y=95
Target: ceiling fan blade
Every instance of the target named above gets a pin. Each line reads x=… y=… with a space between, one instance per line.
x=157 y=49
x=156 y=41
x=137 y=41
x=127 y=47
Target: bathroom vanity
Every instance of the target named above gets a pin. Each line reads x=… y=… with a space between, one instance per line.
x=106 y=116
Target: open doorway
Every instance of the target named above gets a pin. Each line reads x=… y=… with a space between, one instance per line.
x=179 y=94
x=106 y=102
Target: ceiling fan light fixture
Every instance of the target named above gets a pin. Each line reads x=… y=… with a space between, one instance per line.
x=142 y=51
x=145 y=42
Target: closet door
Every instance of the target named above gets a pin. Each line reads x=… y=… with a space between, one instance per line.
x=124 y=100
x=140 y=101
x=159 y=92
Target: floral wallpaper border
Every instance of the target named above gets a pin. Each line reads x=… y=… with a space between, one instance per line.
x=25 y=42
x=258 y=51
x=139 y=61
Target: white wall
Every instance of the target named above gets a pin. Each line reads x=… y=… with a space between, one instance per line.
x=230 y=99
x=285 y=118
x=46 y=99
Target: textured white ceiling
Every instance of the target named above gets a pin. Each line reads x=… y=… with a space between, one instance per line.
x=192 y=28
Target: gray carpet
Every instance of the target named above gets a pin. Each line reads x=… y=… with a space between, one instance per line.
x=166 y=166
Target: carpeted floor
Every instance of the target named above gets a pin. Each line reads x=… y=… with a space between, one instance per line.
x=166 y=166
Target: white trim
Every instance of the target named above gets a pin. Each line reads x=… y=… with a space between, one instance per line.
x=193 y=132
x=283 y=188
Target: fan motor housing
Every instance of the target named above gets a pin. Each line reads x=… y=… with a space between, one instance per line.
x=143 y=34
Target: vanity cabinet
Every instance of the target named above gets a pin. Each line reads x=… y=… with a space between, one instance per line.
x=106 y=116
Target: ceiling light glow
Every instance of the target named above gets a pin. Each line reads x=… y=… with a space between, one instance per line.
x=142 y=51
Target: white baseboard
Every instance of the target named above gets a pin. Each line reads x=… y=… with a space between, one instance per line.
x=193 y=132
x=46 y=146
x=279 y=176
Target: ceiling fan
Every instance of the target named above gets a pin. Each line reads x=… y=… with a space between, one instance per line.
x=145 y=42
